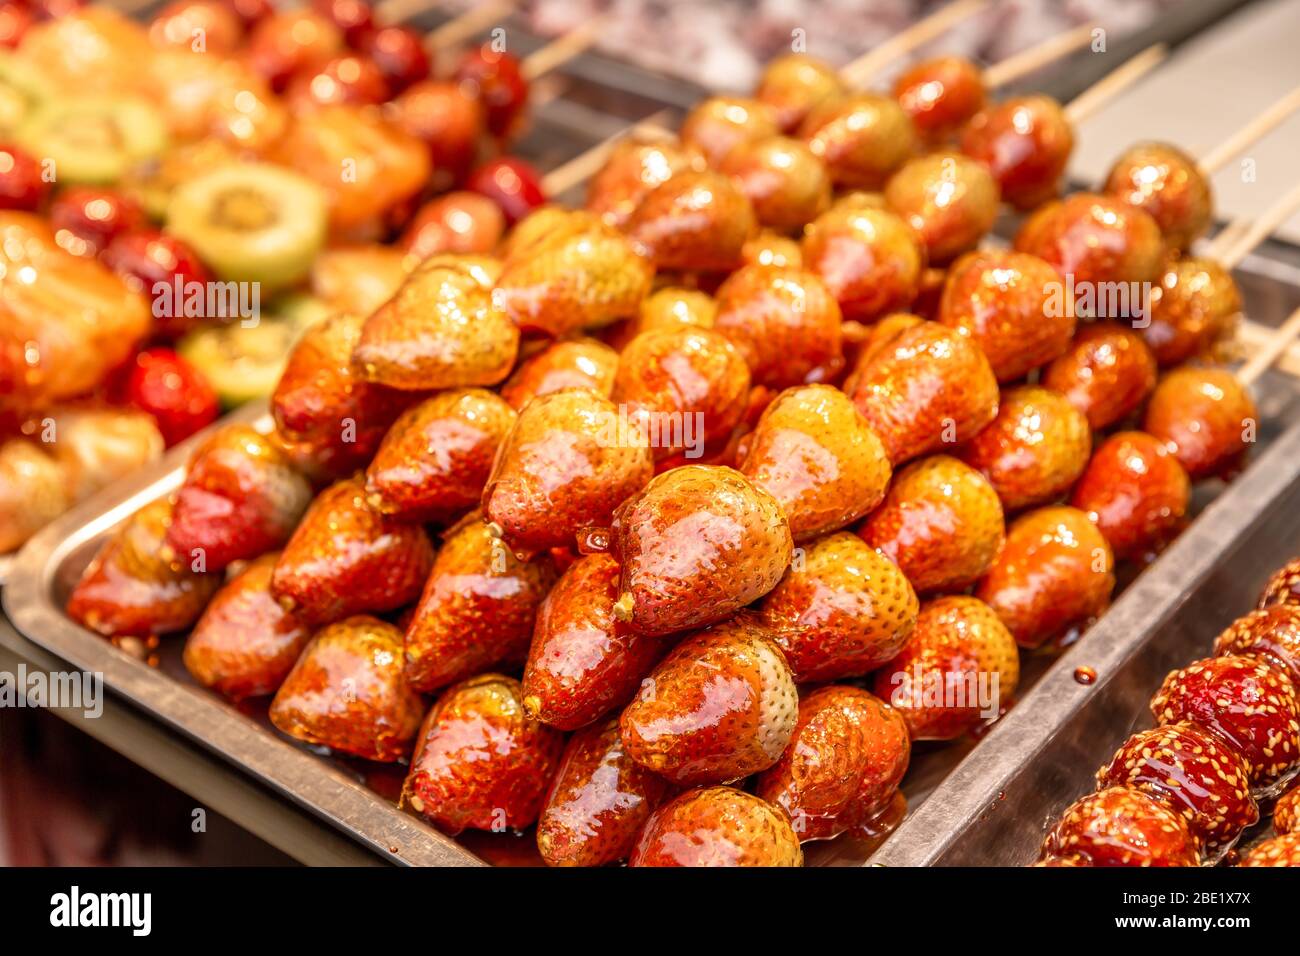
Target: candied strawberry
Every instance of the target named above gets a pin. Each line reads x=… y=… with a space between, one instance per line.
x=1283 y=587
x=480 y=762
x=927 y=388
x=573 y=363
x=717 y=125
x=567 y=463
x=131 y=589
x=1052 y=578
x=1136 y=492
x=870 y=259
x=434 y=461
x=598 y=801
x=348 y=692
x=1286 y=812
x=1106 y=373
x=1206 y=417
x=346 y=558
x=720 y=706
x=1271 y=634
x=785 y=322
x=956 y=669
x=717 y=826
x=788 y=186
x=632 y=170
x=696 y=221
x=1189 y=771
x=1281 y=850
x=842 y=609
x=583 y=661
x=241 y=498
x=1121 y=827
x=697 y=544
x=245 y=643
x=1095 y=239
x=477 y=609
x=816 y=455
x=1249 y=704
x=173 y=391
x=847 y=756
x=941 y=522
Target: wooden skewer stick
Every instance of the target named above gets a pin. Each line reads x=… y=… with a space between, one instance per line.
x=1255 y=337
x=1232 y=252
x=558 y=52
x=922 y=31
x=1113 y=83
x=1258 y=127
x=1025 y=62
x=585 y=165
x=1277 y=343
x=470 y=23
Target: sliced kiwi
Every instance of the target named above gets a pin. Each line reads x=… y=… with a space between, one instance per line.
x=241 y=363
x=251 y=222
x=92 y=139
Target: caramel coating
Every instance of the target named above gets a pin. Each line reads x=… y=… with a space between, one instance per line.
x=1026 y=143
x=633 y=169
x=696 y=544
x=785 y=322
x=949 y=199
x=565 y=466
x=572 y=363
x=1166 y=183
x=841 y=611
x=844 y=763
x=1121 y=827
x=1195 y=307
x=1053 y=577
x=1271 y=634
x=816 y=455
x=941 y=523
x=940 y=95
x=1003 y=300
x=1136 y=492
x=458 y=222
x=1281 y=850
x=347 y=691
x=695 y=222
x=1034 y=450
x=957 y=669
x=869 y=258
x=1095 y=240
x=717 y=826
x=1283 y=587
x=794 y=84
x=787 y=185
x=719 y=124
x=673 y=306
x=1107 y=373
x=1206 y=417
x=1286 y=812
x=768 y=248
x=863 y=138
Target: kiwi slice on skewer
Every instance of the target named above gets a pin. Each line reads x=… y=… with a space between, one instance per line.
x=251 y=222
x=92 y=139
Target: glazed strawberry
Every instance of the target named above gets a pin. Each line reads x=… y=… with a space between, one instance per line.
x=1283 y=587
x=786 y=183
x=772 y=250
x=863 y=137
x=346 y=558
x=173 y=391
x=959 y=664
x=1279 y=851
x=241 y=498
x=1250 y=705
x=1136 y=492
x=693 y=221
x=842 y=609
x=457 y=222
x=567 y=463
x=632 y=170
x=434 y=461
x=598 y=801
x=442 y=329
x=720 y=706
x=494 y=76
x=1195 y=307
x=927 y=388
x=573 y=363
x=1271 y=634
x=581 y=275
x=348 y=692
x=843 y=765
x=673 y=306
x=941 y=522
x=1034 y=450
x=717 y=826
x=1095 y=239
x=448 y=121
x=816 y=455
x=1122 y=827
x=1286 y=812
x=477 y=608
x=1004 y=301
x=794 y=83
x=950 y=200
x=785 y=323
x=1167 y=184
x=686 y=389
x=1107 y=373
x=1206 y=417
x=480 y=763
x=245 y=643
x=329 y=418
x=583 y=661
x=940 y=95
x=719 y=124
x=696 y=544
x=1053 y=577
x=1189 y=771
x=869 y=259
x=130 y=589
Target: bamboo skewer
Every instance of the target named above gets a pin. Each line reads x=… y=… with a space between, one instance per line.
x=864 y=67
x=562 y=50
x=1258 y=127
x=587 y=164
x=1028 y=61
x=1087 y=103
x=1276 y=344
x=1231 y=251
